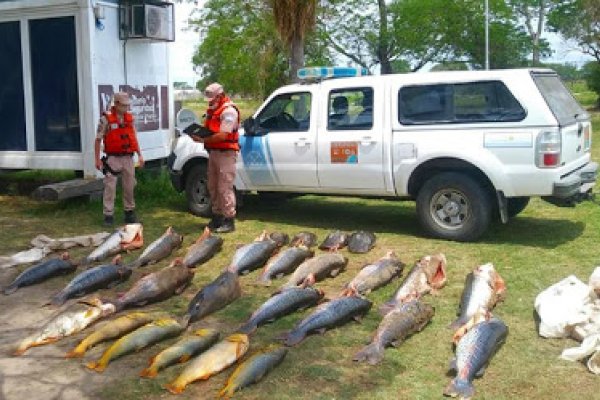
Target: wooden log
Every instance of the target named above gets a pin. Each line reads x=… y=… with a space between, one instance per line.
x=68 y=189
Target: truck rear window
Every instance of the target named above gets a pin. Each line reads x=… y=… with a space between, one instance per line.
x=564 y=106
x=473 y=102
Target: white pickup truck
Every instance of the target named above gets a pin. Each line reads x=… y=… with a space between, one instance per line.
x=466 y=146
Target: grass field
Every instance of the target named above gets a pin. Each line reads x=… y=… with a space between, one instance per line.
x=541 y=246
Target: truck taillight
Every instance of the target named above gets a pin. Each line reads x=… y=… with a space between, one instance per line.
x=549 y=145
x=587 y=138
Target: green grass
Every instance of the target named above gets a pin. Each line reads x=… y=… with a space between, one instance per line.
x=541 y=246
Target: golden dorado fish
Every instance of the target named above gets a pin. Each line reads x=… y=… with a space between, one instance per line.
x=74 y=320
x=213 y=361
x=181 y=351
x=142 y=337
x=111 y=330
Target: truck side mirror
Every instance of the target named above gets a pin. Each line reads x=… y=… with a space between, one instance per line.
x=249 y=127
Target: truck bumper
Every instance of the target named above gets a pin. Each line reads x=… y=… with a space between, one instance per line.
x=176 y=176
x=574 y=188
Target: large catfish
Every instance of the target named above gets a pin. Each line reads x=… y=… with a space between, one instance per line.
x=334 y=241
x=284 y=263
x=157 y=286
x=254 y=255
x=317 y=268
x=128 y=237
x=373 y=276
x=427 y=275
x=484 y=287
x=328 y=315
x=99 y=277
x=159 y=249
x=214 y=296
x=42 y=271
x=474 y=352
x=203 y=249
x=395 y=327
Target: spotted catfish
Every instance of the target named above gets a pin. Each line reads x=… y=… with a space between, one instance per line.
x=41 y=272
x=125 y=238
x=159 y=249
x=99 y=277
x=373 y=276
x=254 y=255
x=484 y=287
x=205 y=247
x=427 y=275
x=474 y=352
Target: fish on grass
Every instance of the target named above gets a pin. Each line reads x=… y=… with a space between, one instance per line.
x=474 y=352
x=73 y=320
x=111 y=330
x=211 y=362
x=284 y=263
x=182 y=351
x=376 y=275
x=334 y=241
x=361 y=242
x=156 y=286
x=203 y=249
x=304 y=238
x=159 y=249
x=484 y=287
x=100 y=277
x=42 y=271
x=253 y=255
x=396 y=326
x=280 y=304
x=137 y=340
x=328 y=315
x=316 y=269
x=213 y=297
x=427 y=275
x=253 y=369
x=125 y=238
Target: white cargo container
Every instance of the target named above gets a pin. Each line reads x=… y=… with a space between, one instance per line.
x=60 y=63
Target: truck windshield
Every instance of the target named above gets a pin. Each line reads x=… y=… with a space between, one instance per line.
x=564 y=106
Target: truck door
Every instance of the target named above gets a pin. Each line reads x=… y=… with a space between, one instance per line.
x=350 y=140
x=282 y=152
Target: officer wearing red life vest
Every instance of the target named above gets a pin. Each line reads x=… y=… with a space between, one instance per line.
x=223 y=120
x=117 y=131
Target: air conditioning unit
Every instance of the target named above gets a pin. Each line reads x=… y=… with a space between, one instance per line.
x=146 y=19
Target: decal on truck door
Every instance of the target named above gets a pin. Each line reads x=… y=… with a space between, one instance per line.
x=344 y=152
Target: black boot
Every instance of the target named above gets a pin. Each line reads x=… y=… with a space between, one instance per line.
x=228 y=225
x=215 y=222
x=108 y=220
x=130 y=217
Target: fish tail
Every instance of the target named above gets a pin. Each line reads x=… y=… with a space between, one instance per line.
x=22 y=348
x=10 y=289
x=149 y=372
x=96 y=366
x=248 y=328
x=227 y=391
x=371 y=353
x=75 y=353
x=294 y=337
x=459 y=387
x=264 y=280
x=457 y=324
x=58 y=299
x=175 y=388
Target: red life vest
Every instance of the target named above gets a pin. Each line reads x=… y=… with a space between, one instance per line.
x=120 y=137
x=213 y=123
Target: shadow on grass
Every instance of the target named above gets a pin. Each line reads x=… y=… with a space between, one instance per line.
x=384 y=216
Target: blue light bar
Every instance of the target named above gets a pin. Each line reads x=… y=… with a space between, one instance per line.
x=331 y=72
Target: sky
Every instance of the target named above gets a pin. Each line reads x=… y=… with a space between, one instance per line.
x=186 y=42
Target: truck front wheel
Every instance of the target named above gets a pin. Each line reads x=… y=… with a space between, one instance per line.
x=454 y=206
x=196 y=192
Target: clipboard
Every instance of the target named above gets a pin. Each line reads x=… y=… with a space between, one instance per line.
x=195 y=129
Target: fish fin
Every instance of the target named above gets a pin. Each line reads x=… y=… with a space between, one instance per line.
x=227 y=391
x=481 y=372
x=181 y=289
x=74 y=354
x=184 y=358
x=10 y=289
x=452 y=365
x=148 y=373
x=335 y=272
x=292 y=338
x=459 y=387
x=321 y=331
x=456 y=324
x=96 y=366
x=499 y=287
x=247 y=328
x=174 y=388
x=358 y=318
x=348 y=292
x=372 y=353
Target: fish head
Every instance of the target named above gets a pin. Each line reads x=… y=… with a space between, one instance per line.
x=132 y=236
x=264 y=235
x=280 y=238
x=434 y=267
x=177 y=262
x=124 y=273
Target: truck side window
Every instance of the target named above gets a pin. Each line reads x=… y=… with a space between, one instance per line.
x=350 y=109
x=458 y=103
x=289 y=112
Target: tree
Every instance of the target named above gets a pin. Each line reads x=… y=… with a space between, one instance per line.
x=591 y=73
x=293 y=20
x=533 y=15
x=578 y=21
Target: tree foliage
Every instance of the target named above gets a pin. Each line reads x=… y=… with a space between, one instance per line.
x=579 y=21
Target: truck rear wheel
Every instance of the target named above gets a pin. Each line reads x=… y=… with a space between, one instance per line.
x=454 y=206
x=196 y=192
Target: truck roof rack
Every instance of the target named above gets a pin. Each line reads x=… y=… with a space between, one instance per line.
x=317 y=74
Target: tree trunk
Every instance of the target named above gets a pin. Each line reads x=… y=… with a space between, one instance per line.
x=383 y=46
x=296 y=58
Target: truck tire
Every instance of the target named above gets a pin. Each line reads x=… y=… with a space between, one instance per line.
x=515 y=205
x=454 y=206
x=196 y=192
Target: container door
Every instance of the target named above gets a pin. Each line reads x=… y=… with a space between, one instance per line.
x=54 y=83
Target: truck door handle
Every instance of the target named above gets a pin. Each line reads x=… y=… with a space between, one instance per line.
x=367 y=141
x=302 y=142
